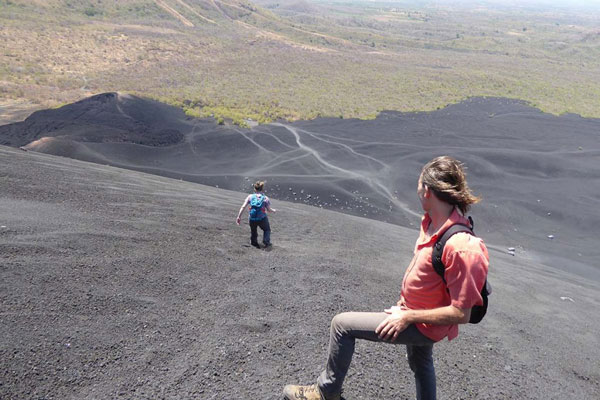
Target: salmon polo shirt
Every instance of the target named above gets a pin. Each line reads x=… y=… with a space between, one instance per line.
x=466 y=259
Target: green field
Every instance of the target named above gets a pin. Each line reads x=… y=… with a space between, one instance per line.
x=297 y=59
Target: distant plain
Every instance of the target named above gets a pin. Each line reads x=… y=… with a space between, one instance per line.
x=235 y=60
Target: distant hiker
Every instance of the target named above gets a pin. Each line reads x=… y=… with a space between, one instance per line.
x=258 y=204
x=429 y=309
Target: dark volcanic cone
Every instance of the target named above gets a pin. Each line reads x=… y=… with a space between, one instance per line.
x=104 y=118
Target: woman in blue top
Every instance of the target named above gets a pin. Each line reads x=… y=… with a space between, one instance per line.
x=258 y=204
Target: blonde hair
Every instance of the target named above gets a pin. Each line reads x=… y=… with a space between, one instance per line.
x=259 y=186
x=445 y=176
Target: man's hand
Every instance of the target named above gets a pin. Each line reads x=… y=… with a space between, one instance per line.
x=395 y=323
x=238 y=220
x=400 y=319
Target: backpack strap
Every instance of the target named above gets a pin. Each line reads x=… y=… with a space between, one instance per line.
x=438 y=247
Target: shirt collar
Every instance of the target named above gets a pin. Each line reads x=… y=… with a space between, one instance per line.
x=455 y=218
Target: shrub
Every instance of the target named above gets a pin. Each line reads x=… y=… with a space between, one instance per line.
x=91 y=11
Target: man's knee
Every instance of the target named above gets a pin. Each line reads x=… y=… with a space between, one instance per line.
x=340 y=322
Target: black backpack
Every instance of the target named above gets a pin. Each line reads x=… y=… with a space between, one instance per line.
x=477 y=312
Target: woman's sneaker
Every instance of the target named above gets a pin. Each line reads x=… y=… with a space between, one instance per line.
x=312 y=392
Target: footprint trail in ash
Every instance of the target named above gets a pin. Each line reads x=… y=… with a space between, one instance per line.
x=370 y=177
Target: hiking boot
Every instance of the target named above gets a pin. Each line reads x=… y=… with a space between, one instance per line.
x=256 y=245
x=311 y=392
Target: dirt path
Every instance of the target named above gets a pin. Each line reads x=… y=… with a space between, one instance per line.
x=174 y=13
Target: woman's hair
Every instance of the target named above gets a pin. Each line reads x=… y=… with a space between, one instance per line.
x=446 y=177
x=259 y=186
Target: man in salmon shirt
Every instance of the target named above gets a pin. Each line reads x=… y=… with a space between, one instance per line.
x=428 y=309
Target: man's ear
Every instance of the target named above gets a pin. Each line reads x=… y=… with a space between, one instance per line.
x=426 y=192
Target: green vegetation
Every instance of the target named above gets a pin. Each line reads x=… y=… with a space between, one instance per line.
x=241 y=63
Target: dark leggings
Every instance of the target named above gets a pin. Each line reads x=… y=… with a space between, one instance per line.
x=264 y=225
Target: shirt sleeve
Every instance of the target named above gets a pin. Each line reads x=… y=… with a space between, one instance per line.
x=466 y=271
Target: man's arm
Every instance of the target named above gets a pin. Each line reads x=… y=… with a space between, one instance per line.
x=398 y=321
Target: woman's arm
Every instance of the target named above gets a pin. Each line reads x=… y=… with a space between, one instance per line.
x=269 y=209
x=242 y=208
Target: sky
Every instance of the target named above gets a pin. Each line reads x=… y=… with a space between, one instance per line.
x=567 y=4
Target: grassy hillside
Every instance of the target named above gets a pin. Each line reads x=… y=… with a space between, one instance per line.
x=296 y=59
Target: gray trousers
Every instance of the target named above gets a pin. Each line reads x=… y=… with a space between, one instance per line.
x=349 y=326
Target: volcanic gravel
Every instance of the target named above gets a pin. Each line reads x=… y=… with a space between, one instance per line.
x=120 y=284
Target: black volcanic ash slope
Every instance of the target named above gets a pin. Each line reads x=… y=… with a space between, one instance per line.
x=119 y=284
x=537 y=173
x=101 y=119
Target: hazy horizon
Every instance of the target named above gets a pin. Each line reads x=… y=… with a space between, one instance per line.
x=578 y=4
